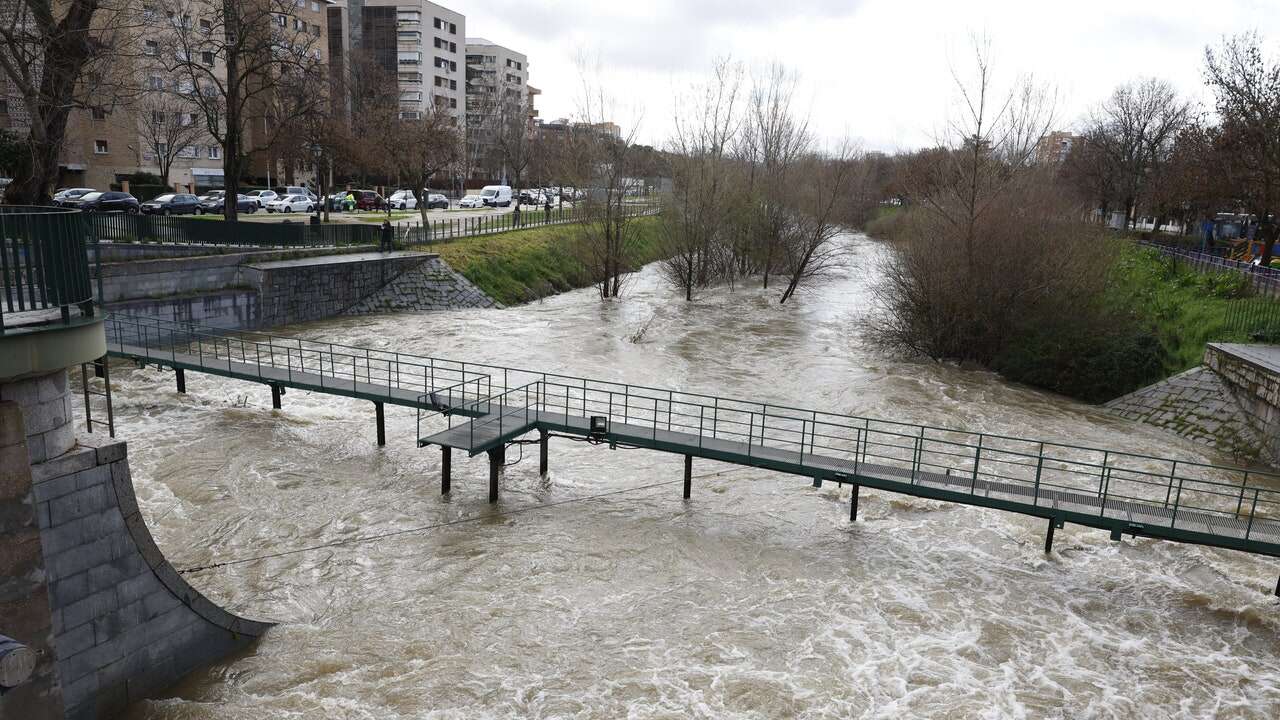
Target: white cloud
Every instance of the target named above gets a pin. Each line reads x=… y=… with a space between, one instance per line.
x=874 y=69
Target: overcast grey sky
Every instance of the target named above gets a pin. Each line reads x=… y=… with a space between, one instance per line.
x=876 y=70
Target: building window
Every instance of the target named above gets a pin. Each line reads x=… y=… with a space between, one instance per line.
x=315 y=30
x=215 y=152
x=282 y=21
x=99 y=113
x=4 y=106
x=155 y=82
x=453 y=103
x=453 y=29
x=189 y=151
x=99 y=147
x=157 y=117
x=297 y=23
x=315 y=6
x=149 y=12
x=300 y=3
x=207 y=58
x=152 y=47
x=206 y=26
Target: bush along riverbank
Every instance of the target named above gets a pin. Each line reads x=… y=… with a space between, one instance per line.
x=524 y=265
x=1094 y=341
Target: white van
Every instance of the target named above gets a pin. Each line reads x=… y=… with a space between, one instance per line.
x=496 y=195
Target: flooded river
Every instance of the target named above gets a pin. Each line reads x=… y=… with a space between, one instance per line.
x=755 y=599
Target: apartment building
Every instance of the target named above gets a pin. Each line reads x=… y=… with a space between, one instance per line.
x=421 y=43
x=106 y=145
x=1054 y=147
x=497 y=94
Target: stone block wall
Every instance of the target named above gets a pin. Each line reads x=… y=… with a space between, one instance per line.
x=47 y=408
x=1256 y=389
x=125 y=624
x=1195 y=404
x=25 y=614
x=310 y=291
x=433 y=285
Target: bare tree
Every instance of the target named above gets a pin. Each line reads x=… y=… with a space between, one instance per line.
x=1133 y=131
x=819 y=211
x=232 y=63
x=1246 y=87
x=601 y=162
x=773 y=141
x=167 y=124
x=59 y=57
x=426 y=146
x=698 y=216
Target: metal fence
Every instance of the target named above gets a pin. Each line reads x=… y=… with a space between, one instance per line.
x=1258 y=318
x=44 y=264
x=121 y=227
x=450 y=229
x=1264 y=280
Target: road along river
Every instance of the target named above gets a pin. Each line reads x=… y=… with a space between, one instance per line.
x=755 y=599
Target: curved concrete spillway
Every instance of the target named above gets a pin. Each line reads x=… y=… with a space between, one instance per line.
x=113 y=620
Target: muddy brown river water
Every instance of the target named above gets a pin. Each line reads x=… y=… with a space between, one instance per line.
x=755 y=599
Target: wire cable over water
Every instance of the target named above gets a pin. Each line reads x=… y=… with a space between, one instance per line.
x=435 y=526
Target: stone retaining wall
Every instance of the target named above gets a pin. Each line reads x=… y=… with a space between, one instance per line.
x=303 y=291
x=82 y=581
x=1257 y=391
x=433 y=285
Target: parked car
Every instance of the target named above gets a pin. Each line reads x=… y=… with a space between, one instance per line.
x=496 y=195
x=292 y=203
x=436 y=200
x=369 y=200
x=471 y=201
x=295 y=190
x=212 y=195
x=63 y=195
x=112 y=201
x=244 y=204
x=336 y=201
x=403 y=200
x=172 y=204
x=262 y=197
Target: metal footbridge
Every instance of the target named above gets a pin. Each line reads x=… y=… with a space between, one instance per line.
x=480 y=408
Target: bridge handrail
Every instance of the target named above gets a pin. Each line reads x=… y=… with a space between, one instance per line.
x=553 y=397
x=873 y=438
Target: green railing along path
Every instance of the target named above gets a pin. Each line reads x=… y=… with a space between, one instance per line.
x=487 y=406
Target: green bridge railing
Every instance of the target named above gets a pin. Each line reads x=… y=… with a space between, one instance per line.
x=44 y=268
x=488 y=404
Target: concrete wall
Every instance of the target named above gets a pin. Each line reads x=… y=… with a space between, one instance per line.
x=157 y=278
x=82 y=581
x=226 y=309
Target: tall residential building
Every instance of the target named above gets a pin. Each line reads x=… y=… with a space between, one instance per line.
x=1055 y=147
x=106 y=145
x=498 y=101
x=420 y=42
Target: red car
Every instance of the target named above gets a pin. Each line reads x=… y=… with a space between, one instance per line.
x=369 y=200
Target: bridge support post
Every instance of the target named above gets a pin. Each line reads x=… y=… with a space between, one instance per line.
x=1278 y=587
x=688 y=476
x=275 y=397
x=542 y=452
x=446 y=468
x=382 y=428
x=1048 y=538
x=181 y=375
x=497 y=457
x=853 y=503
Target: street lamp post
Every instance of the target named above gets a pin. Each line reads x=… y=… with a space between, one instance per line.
x=317 y=150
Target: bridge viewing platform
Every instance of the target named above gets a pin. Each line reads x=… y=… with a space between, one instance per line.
x=481 y=408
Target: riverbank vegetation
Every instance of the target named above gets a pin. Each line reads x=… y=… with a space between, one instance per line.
x=524 y=265
x=755 y=192
x=993 y=262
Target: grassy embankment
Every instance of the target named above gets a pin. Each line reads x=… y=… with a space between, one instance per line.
x=523 y=265
x=1164 y=313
